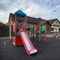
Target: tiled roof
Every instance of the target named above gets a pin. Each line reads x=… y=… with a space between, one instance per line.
x=33 y=20
x=52 y=20
x=43 y=22
x=36 y=20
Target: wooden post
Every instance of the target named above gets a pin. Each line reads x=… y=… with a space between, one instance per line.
x=45 y=35
x=25 y=22
x=39 y=32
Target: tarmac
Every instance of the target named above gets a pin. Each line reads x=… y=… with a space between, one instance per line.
x=49 y=50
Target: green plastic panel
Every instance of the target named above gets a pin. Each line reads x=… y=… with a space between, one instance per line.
x=31 y=28
x=43 y=28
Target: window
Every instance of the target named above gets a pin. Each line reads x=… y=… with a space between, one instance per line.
x=59 y=29
x=56 y=25
x=56 y=22
x=52 y=29
x=55 y=29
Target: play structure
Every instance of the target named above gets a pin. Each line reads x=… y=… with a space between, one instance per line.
x=20 y=35
x=34 y=31
x=38 y=32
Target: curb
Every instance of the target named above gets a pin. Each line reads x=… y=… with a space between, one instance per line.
x=4 y=38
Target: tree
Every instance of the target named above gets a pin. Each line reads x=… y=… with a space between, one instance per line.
x=2 y=24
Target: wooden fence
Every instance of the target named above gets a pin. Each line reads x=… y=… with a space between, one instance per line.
x=4 y=31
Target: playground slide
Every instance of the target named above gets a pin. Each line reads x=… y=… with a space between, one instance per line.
x=30 y=49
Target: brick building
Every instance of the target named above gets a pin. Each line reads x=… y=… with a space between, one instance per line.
x=50 y=25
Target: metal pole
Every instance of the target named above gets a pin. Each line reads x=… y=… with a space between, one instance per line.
x=15 y=23
x=35 y=30
x=25 y=22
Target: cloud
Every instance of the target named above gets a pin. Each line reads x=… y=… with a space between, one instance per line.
x=45 y=9
x=56 y=2
x=5 y=4
x=56 y=8
x=37 y=11
x=3 y=17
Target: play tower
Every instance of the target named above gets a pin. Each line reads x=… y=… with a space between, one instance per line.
x=19 y=19
x=20 y=35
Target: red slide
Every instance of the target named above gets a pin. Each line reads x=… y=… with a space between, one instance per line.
x=30 y=49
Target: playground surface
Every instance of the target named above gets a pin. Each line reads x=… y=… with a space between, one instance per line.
x=49 y=50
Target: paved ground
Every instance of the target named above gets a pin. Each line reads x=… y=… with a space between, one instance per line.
x=49 y=50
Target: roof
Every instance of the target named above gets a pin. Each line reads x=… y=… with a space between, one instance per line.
x=52 y=20
x=10 y=15
x=43 y=22
x=19 y=12
x=42 y=19
x=37 y=20
x=33 y=20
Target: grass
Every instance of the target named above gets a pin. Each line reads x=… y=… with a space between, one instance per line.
x=48 y=34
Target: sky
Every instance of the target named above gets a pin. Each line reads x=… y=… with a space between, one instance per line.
x=45 y=9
